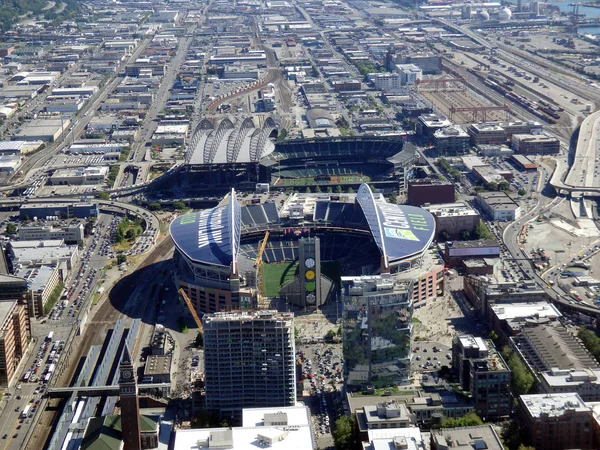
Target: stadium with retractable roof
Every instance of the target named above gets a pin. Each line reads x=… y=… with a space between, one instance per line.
x=224 y=155
x=311 y=241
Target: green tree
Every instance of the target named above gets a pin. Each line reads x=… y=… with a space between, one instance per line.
x=103 y=196
x=511 y=435
x=522 y=192
x=154 y=206
x=330 y=336
x=338 y=189
x=130 y=234
x=465 y=235
x=282 y=135
x=482 y=232
x=494 y=336
x=491 y=186
x=329 y=190
x=307 y=190
x=80 y=243
x=504 y=186
x=521 y=378
x=343 y=433
x=11 y=228
x=393 y=198
x=590 y=341
x=318 y=189
x=179 y=206
x=350 y=190
x=121 y=258
x=444 y=236
x=468 y=420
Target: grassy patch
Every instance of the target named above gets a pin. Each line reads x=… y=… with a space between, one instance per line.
x=123 y=246
x=276 y=275
x=95 y=299
x=53 y=297
x=415 y=320
x=393 y=390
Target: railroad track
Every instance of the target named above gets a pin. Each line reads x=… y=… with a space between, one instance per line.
x=104 y=319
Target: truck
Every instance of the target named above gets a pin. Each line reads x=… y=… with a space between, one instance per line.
x=50 y=336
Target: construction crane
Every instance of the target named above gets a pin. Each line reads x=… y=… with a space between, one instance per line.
x=258 y=265
x=190 y=306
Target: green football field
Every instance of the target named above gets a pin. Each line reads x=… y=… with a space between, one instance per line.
x=276 y=275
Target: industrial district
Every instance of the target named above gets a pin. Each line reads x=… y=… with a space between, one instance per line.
x=299 y=225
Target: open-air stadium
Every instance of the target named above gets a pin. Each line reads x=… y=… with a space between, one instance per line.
x=225 y=155
x=357 y=234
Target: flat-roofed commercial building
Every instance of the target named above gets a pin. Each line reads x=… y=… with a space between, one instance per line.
x=429 y=190
x=557 y=421
x=487 y=133
x=428 y=124
x=451 y=141
x=453 y=218
x=535 y=144
x=585 y=382
x=523 y=162
x=70 y=233
x=499 y=206
x=78 y=176
x=480 y=437
x=42 y=282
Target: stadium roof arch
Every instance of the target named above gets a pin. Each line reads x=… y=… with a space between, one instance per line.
x=229 y=143
x=213 y=236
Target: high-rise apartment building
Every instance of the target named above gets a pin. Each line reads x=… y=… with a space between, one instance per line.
x=377 y=330
x=14 y=338
x=249 y=361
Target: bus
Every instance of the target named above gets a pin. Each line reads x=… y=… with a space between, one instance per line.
x=25 y=411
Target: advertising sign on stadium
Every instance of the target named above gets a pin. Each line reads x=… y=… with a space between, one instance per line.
x=474 y=251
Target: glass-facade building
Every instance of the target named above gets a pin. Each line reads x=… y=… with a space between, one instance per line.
x=377 y=330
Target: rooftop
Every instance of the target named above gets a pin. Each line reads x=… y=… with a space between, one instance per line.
x=408 y=438
x=5 y=309
x=37 y=277
x=467 y=438
x=451 y=131
x=158 y=365
x=510 y=311
x=570 y=378
x=296 y=435
x=451 y=210
x=247 y=315
x=553 y=405
x=548 y=346
x=434 y=120
x=533 y=138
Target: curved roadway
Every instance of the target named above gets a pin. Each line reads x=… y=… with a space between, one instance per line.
x=583 y=170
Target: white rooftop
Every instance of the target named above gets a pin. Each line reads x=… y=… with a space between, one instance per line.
x=297 y=435
x=553 y=405
x=387 y=438
x=508 y=311
x=570 y=378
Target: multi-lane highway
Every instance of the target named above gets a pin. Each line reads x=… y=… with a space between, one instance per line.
x=585 y=169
